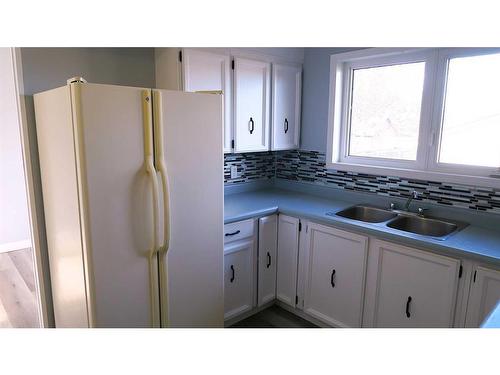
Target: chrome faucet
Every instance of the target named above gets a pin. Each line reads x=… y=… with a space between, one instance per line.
x=412 y=196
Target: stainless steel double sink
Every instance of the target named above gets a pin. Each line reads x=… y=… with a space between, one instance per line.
x=410 y=222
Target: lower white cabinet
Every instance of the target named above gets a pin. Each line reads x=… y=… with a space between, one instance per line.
x=484 y=295
x=347 y=279
x=411 y=288
x=335 y=275
x=238 y=278
x=268 y=247
x=288 y=251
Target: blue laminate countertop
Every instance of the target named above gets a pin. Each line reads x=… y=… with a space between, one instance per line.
x=473 y=241
x=493 y=320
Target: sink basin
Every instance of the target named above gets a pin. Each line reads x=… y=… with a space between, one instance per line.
x=367 y=214
x=425 y=226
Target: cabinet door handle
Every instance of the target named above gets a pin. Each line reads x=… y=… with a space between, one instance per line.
x=331 y=278
x=251 y=126
x=232 y=234
x=408 y=307
x=232 y=274
x=268 y=260
x=286 y=125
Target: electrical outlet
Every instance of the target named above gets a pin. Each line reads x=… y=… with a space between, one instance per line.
x=234 y=171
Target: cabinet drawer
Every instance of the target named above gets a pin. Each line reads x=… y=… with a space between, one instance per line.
x=238 y=231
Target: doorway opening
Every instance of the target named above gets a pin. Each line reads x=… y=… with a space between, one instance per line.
x=19 y=296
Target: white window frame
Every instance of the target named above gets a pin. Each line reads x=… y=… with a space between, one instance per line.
x=426 y=166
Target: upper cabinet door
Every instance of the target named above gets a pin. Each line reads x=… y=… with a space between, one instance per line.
x=287 y=81
x=484 y=295
x=206 y=71
x=251 y=105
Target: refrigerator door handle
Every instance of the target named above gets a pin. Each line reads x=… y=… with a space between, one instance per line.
x=160 y=163
x=150 y=169
x=166 y=209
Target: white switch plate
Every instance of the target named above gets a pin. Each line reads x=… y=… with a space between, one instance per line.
x=234 y=171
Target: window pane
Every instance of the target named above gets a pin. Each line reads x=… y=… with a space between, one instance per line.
x=471 y=122
x=386 y=104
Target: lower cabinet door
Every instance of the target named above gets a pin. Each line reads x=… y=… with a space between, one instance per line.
x=484 y=295
x=288 y=251
x=238 y=278
x=414 y=288
x=268 y=243
x=335 y=275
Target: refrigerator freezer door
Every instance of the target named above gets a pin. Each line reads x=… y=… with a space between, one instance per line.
x=54 y=124
x=117 y=194
x=192 y=127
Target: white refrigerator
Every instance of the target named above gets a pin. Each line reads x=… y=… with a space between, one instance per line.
x=132 y=182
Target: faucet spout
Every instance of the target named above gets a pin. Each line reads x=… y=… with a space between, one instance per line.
x=412 y=196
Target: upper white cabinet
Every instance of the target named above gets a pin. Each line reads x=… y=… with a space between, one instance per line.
x=252 y=86
x=288 y=252
x=253 y=119
x=268 y=243
x=411 y=288
x=206 y=71
x=286 y=100
x=335 y=275
x=484 y=295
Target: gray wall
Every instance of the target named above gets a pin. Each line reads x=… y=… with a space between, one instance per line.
x=48 y=68
x=315 y=92
x=14 y=224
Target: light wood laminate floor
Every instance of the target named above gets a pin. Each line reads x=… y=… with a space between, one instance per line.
x=18 y=306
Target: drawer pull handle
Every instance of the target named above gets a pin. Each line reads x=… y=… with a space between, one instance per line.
x=331 y=278
x=408 y=307
x=232 y=234
x=268 y=260
x=286 y=125
x=252 y=126
x=232 y=274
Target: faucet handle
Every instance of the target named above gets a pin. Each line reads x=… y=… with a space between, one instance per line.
x=422 y=211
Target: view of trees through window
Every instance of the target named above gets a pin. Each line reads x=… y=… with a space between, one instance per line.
x=385 y=114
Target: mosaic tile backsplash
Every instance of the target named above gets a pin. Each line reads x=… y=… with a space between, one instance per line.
x=309 y=167
x=251 y=166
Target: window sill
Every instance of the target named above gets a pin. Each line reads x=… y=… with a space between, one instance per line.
x=488 y=182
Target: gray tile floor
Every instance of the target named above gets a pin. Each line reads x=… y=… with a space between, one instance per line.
x=274 y=317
